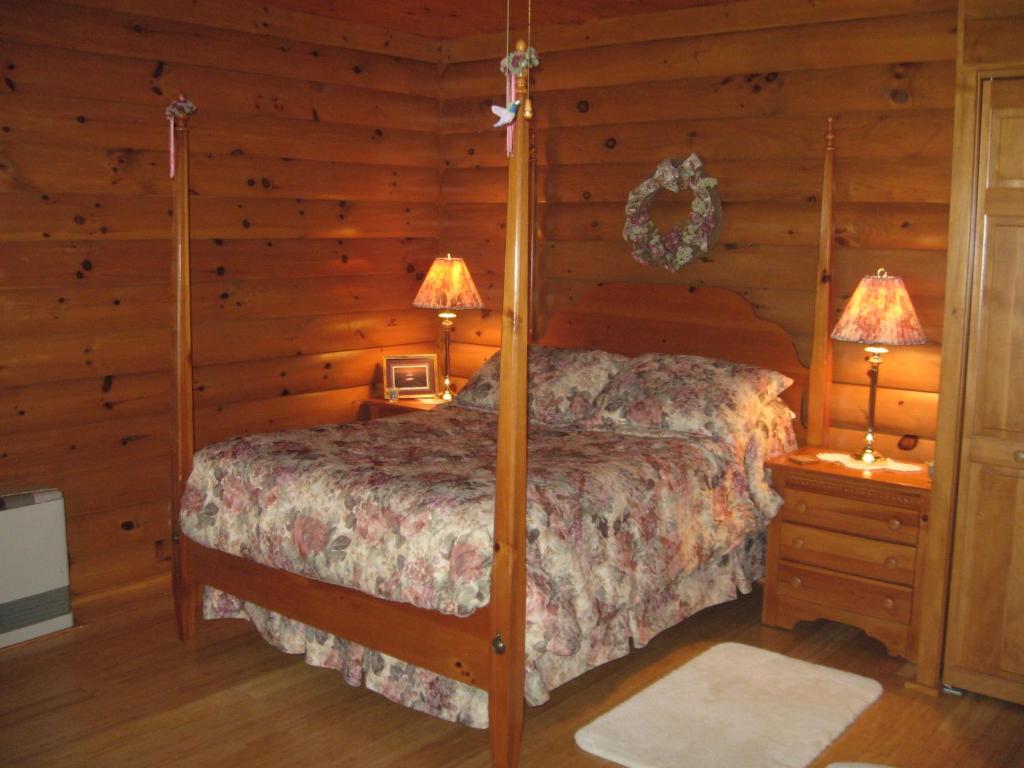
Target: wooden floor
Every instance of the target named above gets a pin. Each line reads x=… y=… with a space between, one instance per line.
x=121 y=690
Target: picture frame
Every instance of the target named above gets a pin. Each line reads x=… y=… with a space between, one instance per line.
x=410 y=376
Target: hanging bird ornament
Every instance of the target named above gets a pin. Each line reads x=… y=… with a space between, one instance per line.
x=505 y=115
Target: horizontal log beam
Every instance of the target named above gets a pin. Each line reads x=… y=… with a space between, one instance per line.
x=120 y=34
x=860 y=42
x=711 y=19
x=272 y=21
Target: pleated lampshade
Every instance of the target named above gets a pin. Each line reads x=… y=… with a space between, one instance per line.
x=880 y=312
x=448 y=285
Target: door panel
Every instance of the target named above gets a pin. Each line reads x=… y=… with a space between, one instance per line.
x=985 y=632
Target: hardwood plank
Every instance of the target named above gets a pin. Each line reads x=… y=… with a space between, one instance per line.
x=882 y=137
x=83 y=354
x=467 y=358
x=55 y=169
x=739 y=181
x=107 y=124
x=704 y=19
x=70 y=308
x=262 y=338
x=116 y=547
x=50 y=405
x=281 y=22
x=59 y=72
x=914 y=368
x=219 y=260
x=764 y=223
x=118 y=34
x=913 y=37
x=766 y=266
x=68 y=263
x=302 y=297
x=115 y=217
x=51 y=451
x=116 y=263
x=993 y=41
x=119 y=482
x=294 y=375
x=907 y=180
x=860 y=181
x=873 y=88
x=896 y=226
x=218 y=422
x=89 y=693
x=897 y=411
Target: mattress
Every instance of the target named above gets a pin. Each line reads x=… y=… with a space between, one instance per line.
x=626 y=534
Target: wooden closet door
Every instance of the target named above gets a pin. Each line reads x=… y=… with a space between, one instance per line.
x=985 y=635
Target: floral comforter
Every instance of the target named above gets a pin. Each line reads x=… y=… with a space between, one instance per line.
x=402 y=508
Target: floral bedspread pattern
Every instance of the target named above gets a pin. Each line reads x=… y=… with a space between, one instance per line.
x=402 y=508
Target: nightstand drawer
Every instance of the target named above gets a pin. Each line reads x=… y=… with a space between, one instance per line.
x=850 y=554
x=866 y=597
x=851 y=515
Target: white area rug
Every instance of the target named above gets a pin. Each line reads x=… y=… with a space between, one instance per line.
x=733 y=706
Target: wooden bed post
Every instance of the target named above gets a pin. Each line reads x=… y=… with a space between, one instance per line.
x=508 y=573
x=820 y=385
x=186 y=591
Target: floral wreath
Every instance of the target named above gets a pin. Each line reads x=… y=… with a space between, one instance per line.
x=678 y=246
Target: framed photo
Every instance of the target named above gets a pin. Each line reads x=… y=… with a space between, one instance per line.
x=410 y=375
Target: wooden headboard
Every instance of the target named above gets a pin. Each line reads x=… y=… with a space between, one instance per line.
x=632 y=318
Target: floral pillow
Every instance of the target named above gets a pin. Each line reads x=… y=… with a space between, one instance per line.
x=563 y=383
x=684 y=393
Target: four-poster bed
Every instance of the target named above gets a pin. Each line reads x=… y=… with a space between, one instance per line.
x=487 y=648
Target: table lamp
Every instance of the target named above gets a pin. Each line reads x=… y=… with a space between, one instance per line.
x=448 y=286
x=879 y=312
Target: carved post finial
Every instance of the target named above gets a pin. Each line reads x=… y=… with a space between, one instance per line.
x=830 y=136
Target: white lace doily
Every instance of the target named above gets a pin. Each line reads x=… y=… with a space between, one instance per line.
x=848 y=461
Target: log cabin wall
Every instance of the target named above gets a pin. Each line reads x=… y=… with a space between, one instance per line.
x=746 y=85
x=315 y=212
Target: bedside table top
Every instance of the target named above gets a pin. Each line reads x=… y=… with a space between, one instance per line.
x=918 y=480
x=412 y=404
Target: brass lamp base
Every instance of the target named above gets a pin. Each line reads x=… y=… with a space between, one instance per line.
x=868 y=455
x=447 y=322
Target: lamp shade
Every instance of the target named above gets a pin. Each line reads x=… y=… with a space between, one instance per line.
x=448 y=285
x=880 y=312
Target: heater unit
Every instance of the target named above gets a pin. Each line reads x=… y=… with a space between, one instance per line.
x=34 y=595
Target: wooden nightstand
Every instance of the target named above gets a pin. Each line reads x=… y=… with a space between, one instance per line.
x=848 y=546
x=378 y=407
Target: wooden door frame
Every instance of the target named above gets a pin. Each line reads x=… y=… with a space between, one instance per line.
x=938 y=545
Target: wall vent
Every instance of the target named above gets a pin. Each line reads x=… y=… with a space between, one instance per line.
x=34 y=595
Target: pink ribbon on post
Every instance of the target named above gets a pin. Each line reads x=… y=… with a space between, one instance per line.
x=179 y=108
x=510 y=98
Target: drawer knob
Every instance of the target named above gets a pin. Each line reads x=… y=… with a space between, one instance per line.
x=796 y=582
x=890 y=562
x=1018 y=456
x=798 y=543
x=894 y=524
x=888 y=603
x=801 y=506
